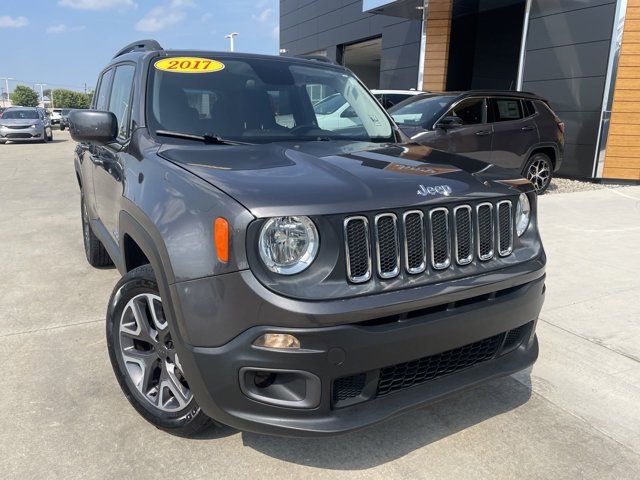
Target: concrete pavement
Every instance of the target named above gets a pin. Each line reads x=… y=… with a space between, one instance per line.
x=62 y=415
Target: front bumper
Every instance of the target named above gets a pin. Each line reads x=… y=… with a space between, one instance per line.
x=22 y=134
x=217 y=375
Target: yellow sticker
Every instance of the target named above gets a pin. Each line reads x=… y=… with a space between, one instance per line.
x=189 y=65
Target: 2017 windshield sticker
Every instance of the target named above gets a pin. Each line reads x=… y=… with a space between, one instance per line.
x=189 y=65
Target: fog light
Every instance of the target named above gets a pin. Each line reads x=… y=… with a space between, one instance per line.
x=277 y=340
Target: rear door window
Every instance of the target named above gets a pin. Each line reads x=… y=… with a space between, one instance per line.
x=506 y=109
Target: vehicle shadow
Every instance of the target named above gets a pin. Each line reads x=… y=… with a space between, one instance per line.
x=400 y=435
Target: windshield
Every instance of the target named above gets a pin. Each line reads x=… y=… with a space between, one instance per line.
x=20 y=114
x=420 y=111
x=262 y=100
x=65 y=111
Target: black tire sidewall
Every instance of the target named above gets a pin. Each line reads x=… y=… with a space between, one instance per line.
x=533 y=158
x=184 y=422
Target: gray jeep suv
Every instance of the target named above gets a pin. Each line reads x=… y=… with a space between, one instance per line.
x=284 y=278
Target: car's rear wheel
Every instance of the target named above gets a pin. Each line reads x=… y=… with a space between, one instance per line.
x=144 y=358
x=95 y=252
x=539 y=171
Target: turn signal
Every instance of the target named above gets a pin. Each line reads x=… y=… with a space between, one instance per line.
x=277 y=340
x=221 y=238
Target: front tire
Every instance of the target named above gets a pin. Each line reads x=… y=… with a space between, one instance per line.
x=539 y=171
x=95 y=252
x=144 y=359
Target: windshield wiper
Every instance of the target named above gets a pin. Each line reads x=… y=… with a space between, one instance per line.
x=210 y=138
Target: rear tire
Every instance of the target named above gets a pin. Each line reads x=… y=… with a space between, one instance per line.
x=95 y=252
x=144 y=360
x=539 y=171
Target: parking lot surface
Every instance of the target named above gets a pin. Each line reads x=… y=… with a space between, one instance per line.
x=62 y=415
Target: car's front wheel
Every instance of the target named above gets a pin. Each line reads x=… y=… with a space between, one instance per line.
x=539 y=170
x=144 y=358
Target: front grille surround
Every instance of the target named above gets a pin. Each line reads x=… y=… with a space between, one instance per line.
x=440 y=237
x=387 y=245
x=505 y=227
x=353 y=275
x=429 y=240
x=485 y=231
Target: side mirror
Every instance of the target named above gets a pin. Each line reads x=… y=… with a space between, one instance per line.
x=450 y=121
x=92 y=126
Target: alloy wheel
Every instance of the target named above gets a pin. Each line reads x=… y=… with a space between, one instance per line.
x=539 y=173
x=149 y=356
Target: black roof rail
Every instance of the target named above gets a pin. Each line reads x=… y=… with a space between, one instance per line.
x=317 y=58
x=140 y=45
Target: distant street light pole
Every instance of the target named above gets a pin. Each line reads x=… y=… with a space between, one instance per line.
x=41 y=92
x=230 y=37
x=6 y=83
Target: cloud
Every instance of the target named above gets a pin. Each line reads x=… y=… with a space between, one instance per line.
x=164 y=16
x=263 y=16
x=275 y=33
x=10 y=22
x=97 y=4
x=60 y=28
x=206 y=17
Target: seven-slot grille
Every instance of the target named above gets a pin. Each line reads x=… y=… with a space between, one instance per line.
x=432 y=238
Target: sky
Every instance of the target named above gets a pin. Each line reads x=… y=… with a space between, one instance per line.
x=65 y=43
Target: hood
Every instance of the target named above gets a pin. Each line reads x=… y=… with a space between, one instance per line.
x=20 y=121
x=315 y=178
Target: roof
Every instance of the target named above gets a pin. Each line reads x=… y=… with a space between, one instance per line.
x=489 y=93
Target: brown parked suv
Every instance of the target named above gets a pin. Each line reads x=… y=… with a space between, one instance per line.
x=515 y=130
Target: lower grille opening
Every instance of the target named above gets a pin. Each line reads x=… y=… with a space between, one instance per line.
x=397 y=377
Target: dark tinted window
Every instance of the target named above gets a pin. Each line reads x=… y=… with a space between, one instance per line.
x=529 y=109
x=103 y=92
x=119 y=101
x=506 y=109
x=470 y=111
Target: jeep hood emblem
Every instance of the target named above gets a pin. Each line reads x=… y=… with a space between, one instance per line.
x=435 y=190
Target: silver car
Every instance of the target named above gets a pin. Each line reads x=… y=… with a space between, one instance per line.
x=25 y=124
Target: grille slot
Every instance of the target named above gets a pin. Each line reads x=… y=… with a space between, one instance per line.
x=463 y=234
x=505 y=228
x=415 y=249
x=440 y=244
x=346 y=388
x=387 y=245
x=356 y=234
x=484 y=220
x=408 y=374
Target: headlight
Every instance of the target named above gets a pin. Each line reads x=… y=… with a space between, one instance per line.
x=288 y=245
x=35 y=125
x=523 y=214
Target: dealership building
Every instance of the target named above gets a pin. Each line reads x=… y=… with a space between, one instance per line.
x=582 y=55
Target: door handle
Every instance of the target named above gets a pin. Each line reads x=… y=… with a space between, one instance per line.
x=526 y=129
x=482 y=133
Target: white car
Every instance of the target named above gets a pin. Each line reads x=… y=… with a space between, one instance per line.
x=56 y=116
x=389 y=98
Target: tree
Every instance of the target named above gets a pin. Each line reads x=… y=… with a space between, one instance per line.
x=63 y=98
x=24 y=96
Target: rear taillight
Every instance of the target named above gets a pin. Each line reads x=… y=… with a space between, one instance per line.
x=561 y=127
